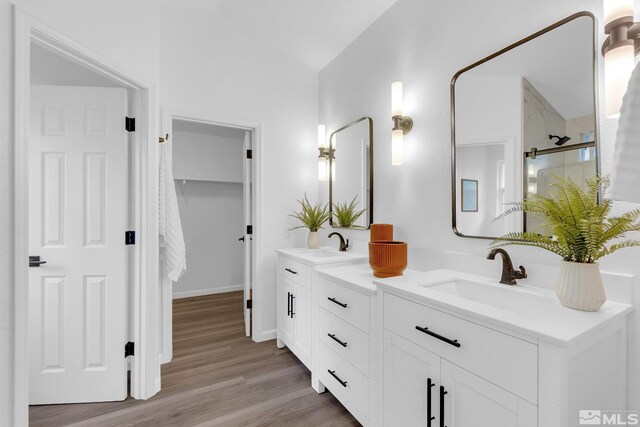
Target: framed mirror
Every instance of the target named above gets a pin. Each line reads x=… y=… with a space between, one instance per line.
x=520 y=118
x=351 y=183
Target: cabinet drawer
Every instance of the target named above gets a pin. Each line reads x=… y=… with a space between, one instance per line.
x=508 y=362
x=349 y=342
x=344 y=303
x=354 y=387
x=295 y=271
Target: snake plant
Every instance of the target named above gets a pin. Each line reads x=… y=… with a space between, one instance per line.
x=579 y=224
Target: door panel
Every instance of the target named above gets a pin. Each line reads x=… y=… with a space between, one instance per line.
x=407 y=369
x=78 y=174
x=474 y=402
x=302 y=322
x=285 y=331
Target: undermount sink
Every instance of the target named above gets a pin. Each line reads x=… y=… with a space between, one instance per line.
x=321 y=253
x=509 y=299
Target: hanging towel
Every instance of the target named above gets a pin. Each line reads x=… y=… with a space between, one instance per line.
x=625 y=179
x=171 y=238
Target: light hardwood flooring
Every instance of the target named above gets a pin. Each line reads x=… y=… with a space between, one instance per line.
x=218 y=377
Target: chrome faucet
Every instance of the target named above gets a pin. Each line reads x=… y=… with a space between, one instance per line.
x=509 y=275
x=343 y=245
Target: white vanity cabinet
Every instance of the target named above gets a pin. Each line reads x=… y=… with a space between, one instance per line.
x=457 y=363
x=294 y=305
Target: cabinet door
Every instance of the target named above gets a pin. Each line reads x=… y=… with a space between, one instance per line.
x=285 y=320
x=302 y=323
x=408 y=371
x=471 y=401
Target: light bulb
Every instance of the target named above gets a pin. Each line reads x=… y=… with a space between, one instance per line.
x=397 y=149
x=614 y=9
x=396 y=99
x=322 y=169
x=618 y=66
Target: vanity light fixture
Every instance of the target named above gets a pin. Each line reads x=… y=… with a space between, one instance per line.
x=324 y=154
x=619 y=51
x=402 y=124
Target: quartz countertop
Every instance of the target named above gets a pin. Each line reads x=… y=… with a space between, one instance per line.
x=323 y=255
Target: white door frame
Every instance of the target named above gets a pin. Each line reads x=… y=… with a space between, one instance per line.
x=168 y=115
x=144 y=292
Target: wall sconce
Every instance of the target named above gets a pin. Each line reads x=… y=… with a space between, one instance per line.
x=325 y=154
x=619 y=51
x=402 y=124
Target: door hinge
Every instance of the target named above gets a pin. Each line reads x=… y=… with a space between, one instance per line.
x=129 y=349
x=129 y=237
x=249 y=304
x=130 y=124
x=249 y=154
x=249 y=229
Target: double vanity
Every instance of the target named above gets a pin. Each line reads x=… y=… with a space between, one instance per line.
x=445 y=348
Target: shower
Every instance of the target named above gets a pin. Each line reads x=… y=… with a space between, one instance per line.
x=561 y=139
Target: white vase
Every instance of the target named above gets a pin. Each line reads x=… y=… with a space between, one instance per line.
x=313 y=241
x=579 y=286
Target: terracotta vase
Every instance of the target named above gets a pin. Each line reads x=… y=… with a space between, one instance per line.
x=313 y=241
x=579 y=286
x=381 y=232
x=388 y=258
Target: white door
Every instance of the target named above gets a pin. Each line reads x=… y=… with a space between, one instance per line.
x=411 y=384
x=246 y=193
x=475 y=402
x=78 y=167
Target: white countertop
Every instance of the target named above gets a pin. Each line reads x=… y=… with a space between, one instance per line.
x=357 y=276
x=324 y=255
x=549 y=322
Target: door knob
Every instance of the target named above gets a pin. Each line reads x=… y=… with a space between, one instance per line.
x=34 y=261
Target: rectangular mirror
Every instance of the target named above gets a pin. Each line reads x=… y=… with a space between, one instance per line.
x=351 y=183
x=521 y=117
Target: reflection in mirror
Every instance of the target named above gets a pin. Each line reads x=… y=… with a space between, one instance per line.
x=351 y=184
x=520 y=118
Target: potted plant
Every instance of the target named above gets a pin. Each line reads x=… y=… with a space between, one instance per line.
x=580 y=230
x=346 y=214
x=313 y=218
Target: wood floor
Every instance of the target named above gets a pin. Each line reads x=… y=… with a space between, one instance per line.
x=218 y=377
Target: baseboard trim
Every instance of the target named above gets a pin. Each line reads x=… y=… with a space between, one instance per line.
x=266 y=336
x=201 y=292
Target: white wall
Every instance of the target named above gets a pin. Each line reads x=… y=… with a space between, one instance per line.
x=225 y=71
x=130 y=39
x=422 y=45
x=212 y=221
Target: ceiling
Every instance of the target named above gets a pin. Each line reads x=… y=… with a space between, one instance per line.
x=312 y=31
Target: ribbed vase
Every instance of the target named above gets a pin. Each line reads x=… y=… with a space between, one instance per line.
x=388 y=258
x=579 y=286
x=313 y=241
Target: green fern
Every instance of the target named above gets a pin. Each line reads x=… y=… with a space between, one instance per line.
x=312 y=217
x=578 y=222
x=346 y=214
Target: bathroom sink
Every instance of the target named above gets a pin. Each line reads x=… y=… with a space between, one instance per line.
x=505 y=298
x=322 y=253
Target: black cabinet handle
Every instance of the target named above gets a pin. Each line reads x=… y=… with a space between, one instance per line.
x=292 y=312
x=442 y=393
x=333 y=374
x=426 y=330
x=291 y=271
x=333 y=300
x=289 y=304
x=430 y=385
x=333 y=337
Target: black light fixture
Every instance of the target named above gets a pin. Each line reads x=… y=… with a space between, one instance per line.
x=561 y=139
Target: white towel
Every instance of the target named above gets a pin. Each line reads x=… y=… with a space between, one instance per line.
x=174 y=259
x=625 y=179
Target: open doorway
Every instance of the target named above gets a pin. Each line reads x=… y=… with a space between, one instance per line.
x=84 y=177
x=213 y=169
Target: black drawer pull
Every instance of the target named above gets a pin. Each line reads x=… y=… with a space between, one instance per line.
x=426 y=330
x=333 y=374
x=430 y=385
x=291 y=271
x=333 y=337
x=341 y=304
x=442 y=393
